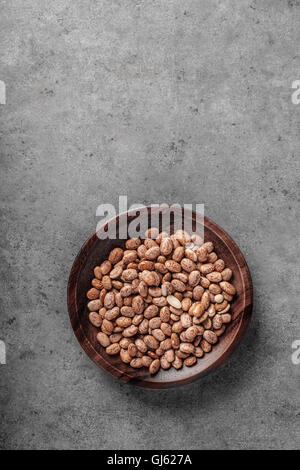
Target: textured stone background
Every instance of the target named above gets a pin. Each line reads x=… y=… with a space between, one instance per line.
x=165 y=101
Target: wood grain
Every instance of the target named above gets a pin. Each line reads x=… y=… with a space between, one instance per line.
x=94 y=251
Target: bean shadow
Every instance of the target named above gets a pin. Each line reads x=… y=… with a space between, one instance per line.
x=226 y=380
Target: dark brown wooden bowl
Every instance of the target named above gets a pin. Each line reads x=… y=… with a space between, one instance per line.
x=94 y=251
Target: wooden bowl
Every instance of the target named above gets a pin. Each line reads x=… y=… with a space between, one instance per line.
x=94 y=251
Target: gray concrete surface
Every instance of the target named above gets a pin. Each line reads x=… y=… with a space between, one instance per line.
x=165 y=101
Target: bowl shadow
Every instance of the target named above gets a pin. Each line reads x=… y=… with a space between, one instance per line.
x=217 y=384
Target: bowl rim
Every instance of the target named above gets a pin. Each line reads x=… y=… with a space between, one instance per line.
x=138 y=378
